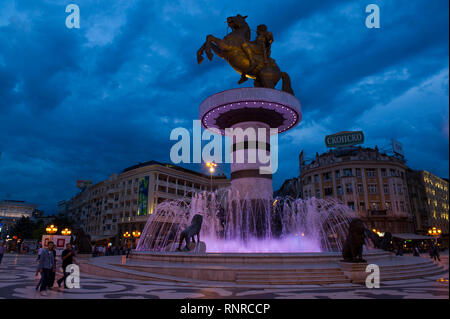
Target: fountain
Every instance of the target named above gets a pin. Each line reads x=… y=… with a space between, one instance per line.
x=250 y=237
x=246 y=218
x=292 y=226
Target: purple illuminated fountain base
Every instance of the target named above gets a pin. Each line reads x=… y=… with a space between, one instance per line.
x=290 y=244
x=230 y=225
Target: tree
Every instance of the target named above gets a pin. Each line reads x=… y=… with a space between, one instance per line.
x=39 y=230
x=62 y=222
x=23 y=228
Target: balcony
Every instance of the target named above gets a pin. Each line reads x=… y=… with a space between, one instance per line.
x=379 y=212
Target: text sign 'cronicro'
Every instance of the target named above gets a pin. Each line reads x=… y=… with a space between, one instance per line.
x=344 y=139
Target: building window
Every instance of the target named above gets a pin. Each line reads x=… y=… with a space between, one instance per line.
x=328 y=191
x=392 y=172
x=326 y=176
x=370 y=172
x=399 y=189
x=339 y=190
x=318 y=193
x=316 y=178
x=351 y=205
x=338 y=174
x=383 y=172
x=360 y=189
x=362 y=206
x=388 y=205
x=372 y=188
x=358 y=172
x=349 y=188
x=386 y=188
x=348 y=172
x=374 y=205
x=402 y=206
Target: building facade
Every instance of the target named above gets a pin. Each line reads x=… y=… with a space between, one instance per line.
x=372 y=183
x=124 y=202
x=11 y=211
x=429 y=201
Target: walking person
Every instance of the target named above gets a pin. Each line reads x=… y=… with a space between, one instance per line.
x=53 y=273
x=41 y=280
x=67 y=259
x=416 y=251
x=39 y=251
x=399 y=250
x=46 y=267
x=2 y=251
x=436 y=253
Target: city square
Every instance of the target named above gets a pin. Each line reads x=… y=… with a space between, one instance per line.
x=18 y=280
x=169 y=159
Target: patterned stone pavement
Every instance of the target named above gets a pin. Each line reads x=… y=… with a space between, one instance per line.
x=18 y=280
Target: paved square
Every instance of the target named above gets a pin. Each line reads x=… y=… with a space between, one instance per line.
x=18 y=280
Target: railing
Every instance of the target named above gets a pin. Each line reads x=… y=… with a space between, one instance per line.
x=381 y=212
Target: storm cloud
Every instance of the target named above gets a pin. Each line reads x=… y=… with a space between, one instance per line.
x=86 y=103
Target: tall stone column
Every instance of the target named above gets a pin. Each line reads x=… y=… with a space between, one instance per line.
x=250 y=174
x=250 y=110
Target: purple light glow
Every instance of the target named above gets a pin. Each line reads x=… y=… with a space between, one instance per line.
x=290 y=244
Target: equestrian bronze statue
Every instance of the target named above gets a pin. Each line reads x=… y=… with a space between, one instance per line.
x=249 y=58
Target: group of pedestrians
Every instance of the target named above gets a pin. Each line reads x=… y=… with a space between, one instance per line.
x=47 y=267
x=434 y=253
x=112 y=250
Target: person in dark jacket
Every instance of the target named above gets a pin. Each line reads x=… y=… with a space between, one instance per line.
x=67 y=257
x=436 y=253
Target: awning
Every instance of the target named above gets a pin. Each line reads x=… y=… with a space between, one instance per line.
x=407 y=236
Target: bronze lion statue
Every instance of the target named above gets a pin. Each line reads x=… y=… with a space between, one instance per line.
x=190 y=231
x=353 y=246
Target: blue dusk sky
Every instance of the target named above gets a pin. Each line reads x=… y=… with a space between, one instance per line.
x=85 y=103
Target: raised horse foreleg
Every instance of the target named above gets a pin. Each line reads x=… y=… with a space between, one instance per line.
x=212 y=44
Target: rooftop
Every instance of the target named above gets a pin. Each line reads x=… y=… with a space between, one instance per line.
x=178 y=168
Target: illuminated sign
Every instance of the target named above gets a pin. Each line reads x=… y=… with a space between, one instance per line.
x=342 y=139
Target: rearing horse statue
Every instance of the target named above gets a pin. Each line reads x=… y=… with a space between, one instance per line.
x=249 y=58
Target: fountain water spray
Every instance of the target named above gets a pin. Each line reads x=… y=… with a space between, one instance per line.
x=232 y=224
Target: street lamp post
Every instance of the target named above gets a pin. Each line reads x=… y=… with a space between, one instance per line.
x=136 y=235
x=435 y=232
x=66 y=232
x=52 y=229
x=126 y=235
x=212 y=168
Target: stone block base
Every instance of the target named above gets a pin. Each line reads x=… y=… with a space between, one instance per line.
x=356 y=272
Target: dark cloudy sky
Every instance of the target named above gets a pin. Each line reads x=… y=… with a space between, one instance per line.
x=85 y=103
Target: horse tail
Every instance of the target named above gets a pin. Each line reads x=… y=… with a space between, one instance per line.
x=286 y=83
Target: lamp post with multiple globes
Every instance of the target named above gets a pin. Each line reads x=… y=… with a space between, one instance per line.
x=136 y=235
x=52 y=229
x=66 y=232
x=435 y=232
